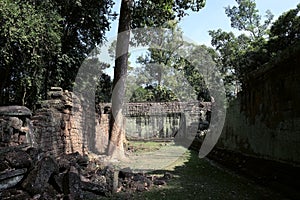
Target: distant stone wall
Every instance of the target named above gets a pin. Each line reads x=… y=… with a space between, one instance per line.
x=163 y=120
x=265 y=119
x=160 y=108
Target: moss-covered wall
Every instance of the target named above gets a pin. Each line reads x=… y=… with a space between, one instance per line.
x=264 y=121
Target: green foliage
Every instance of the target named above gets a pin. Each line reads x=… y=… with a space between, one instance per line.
x=30 y=37
x=44 y=42
x=246 y=17
x=199 y=70
x=104 y=89
x=92 y=84
x=143 y=14
x=158 y=13
x=240 y=55
x=84 y=25
x=173 y=64
x=150 y=13
x=285 y=31
x=157 y=93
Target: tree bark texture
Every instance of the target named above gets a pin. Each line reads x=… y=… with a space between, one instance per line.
x=117 y=128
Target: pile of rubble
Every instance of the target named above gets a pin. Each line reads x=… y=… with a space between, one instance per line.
x=139 y=182
x=36 y=163
x=33 y=174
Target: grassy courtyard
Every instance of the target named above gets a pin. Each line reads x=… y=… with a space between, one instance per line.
x=195 y=178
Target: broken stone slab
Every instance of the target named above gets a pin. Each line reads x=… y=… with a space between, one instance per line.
x=77 y=187
x=159 y=182
x=11 y=178
x=18 y=159
x=63 y=164
x=59 y=181
x=168 y=175
x=111 y=177
x=55 y=93
x=3 y=165
x=98 y=179
x=5 y=150
x=14 y=194
x=35 y=154
x=37 y=180
x=129 y=180
x=141 y=187
x=49 y=193
x=99 y=189
x=15 y=123
x=72 y=185
x=126 y=173
x=75 y=158
x=15 y=111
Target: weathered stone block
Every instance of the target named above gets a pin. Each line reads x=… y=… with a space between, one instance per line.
x=18 y=159
x=10 y=194
x=11 y=178
x=37 y=180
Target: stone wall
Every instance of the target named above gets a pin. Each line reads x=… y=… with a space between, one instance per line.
x=15 y=126
x=161 y=120
x=264 y=121
x=158 y=108
x=63 y=124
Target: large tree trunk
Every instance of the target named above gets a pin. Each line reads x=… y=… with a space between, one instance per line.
x=117 y=129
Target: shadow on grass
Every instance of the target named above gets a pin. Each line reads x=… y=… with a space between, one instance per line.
x=196 y=178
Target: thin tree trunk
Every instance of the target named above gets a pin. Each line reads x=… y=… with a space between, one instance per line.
x=117 y=129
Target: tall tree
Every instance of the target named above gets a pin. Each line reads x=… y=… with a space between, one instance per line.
x=245 y=17
x=30 y=39
x=116 y=133
x=285 y=31
x=83 y=27
x=43 y=43
x=173 y=64
x=137 y=14
x=260 y=42
x=162 y=54
x=241 y=54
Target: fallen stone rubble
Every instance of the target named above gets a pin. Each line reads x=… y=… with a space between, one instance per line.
x=30 y=173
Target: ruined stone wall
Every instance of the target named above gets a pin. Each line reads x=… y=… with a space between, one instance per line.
x=57 y=124
x=102 y=128
x=265 y=119
x=63 y=124
x=14 y=126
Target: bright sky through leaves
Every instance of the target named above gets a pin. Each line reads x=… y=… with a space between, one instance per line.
x=212 y=17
